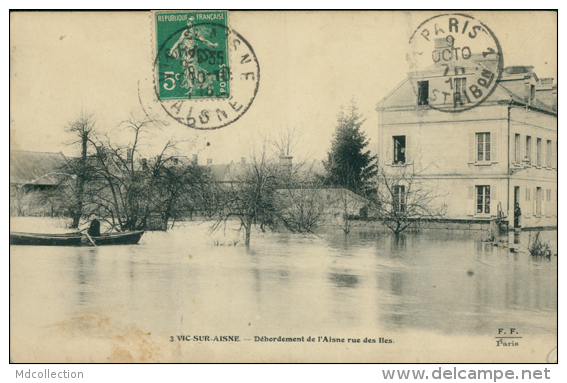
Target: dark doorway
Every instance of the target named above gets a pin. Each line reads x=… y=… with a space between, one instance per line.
x=516 y=203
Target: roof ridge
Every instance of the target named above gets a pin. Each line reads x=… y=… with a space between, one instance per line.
x=36 y=151
x=537 y=104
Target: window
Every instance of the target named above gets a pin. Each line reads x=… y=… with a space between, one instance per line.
x=538 y=151
x=423 y=93
x=528 y=153
x=483 y=147
x=399 y=198
x=483 y=199
x=548 y=204
x=518 y=156
x=548 y=154
x=399 y=150
x=460 y=87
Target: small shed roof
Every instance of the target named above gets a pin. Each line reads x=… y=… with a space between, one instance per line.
x=36 y=168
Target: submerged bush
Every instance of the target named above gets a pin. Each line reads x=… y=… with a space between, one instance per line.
x=537 y=248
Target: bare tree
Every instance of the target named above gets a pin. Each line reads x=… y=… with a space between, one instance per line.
x=270 y=191
x=344 y=200
x=83 y=129
x=134 y=188
x=117 y=184
x=301 y=203
x=285 y=142
x=207 y=195
x=177 y=190
x=405 y=197
x=249 y=196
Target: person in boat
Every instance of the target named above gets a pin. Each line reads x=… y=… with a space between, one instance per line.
x=94 y=229
x=517 y=214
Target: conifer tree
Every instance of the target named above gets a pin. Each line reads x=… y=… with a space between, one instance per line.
x=349 y=164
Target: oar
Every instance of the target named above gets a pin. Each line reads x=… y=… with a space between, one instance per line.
x=90 y=239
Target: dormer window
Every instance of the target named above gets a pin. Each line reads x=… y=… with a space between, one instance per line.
x=460 y=88
x=423 y=93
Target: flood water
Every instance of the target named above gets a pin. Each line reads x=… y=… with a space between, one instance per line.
x=423 y=290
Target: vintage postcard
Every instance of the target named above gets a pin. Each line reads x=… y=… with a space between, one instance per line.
x=312 y=186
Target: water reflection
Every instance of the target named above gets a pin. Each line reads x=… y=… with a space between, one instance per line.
x=85 y=269
x=398 y=243
x=438 y=281
x=343 y=280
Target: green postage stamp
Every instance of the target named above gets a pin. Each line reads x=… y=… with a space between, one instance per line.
x=192 y=55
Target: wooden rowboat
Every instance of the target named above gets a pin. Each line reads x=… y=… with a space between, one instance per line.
x=74 y=239
x=126 y=238
x=71 y=239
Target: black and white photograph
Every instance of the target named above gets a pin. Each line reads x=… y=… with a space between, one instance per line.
x=213 y=186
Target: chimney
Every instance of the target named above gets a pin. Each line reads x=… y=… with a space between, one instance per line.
x=441 y=44
x=547 y=92
x=209 y=161
x=195 y=160
x=243 y=160
x=546 y=81
x=530 y=89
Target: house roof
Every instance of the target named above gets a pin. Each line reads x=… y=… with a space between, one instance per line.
x=226 y=172
x=510 y=75
x=36 y=168
x=536 y=103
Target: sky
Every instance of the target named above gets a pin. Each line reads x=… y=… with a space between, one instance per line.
x=311 y=64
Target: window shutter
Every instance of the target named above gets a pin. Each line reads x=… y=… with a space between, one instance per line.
x=528 y=206
x=389 y=151
x=548 y=203
x=543 y=202
x=554 y=157
x=494 y=147
x=522 y=148
x=515 y=148
x=493 y=200
x=554 y=199
x=471 y=148
x=544 y=153
x=533 y=155
x=534 y=202
x=409 y=158
x=472 y=203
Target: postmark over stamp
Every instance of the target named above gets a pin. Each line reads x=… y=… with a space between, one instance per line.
x=192 y=57
x=455 y=62
x=199 y=58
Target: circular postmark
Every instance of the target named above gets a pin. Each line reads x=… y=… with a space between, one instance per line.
x=455 y=62
x=202 y=84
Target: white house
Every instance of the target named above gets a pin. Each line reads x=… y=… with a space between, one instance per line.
x=483 y=160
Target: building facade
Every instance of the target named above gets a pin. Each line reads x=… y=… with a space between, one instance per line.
x=482 y=161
